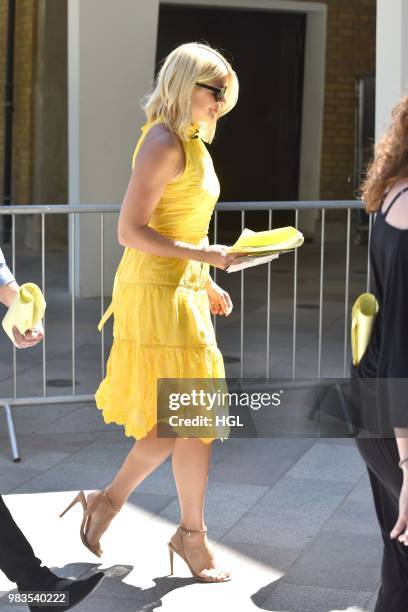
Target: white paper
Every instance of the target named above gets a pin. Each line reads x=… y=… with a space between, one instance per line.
x=247 y=262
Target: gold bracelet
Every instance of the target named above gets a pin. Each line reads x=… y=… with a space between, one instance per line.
x=401 y=463
x=203 y=252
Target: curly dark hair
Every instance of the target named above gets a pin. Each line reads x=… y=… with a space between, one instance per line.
x=390 y=163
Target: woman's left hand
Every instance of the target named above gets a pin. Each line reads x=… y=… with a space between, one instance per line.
x=220 y=301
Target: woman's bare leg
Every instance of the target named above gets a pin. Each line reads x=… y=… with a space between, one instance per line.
x=191 y=462
x=144 y=457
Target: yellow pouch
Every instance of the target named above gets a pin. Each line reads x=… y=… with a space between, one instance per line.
x=26 y=311
x=364 y=311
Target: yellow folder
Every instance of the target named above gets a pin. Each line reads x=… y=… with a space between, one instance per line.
x=26 y=310
x=280 y=239
x=364 y=311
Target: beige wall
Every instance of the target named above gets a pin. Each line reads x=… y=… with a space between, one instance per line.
x=392 y=58
x=111 y=57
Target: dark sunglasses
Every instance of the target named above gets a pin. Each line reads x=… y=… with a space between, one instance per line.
x=218 y=92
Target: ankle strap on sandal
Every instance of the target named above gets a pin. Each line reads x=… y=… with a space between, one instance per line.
x=188 y=532
x=105 y=495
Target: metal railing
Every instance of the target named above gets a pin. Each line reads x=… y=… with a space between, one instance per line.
x=102 y=210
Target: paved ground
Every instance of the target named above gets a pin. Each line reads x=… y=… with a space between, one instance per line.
x=293 y=518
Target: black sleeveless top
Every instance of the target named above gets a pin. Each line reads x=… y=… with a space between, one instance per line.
x=386 y=358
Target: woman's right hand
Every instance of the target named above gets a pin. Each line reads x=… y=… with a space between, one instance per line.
x=217 y=255
x=400 y=529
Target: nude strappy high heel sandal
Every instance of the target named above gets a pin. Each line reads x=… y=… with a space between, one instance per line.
x=176 y=545
x=88 y=509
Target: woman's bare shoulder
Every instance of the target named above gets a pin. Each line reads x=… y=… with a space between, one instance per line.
x=160 y=138
x=398 y=213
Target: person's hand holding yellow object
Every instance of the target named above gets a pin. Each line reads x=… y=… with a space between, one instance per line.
x=22 y=322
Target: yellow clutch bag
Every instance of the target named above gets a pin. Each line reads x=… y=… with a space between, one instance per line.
x=26 y=311
x=364 y=311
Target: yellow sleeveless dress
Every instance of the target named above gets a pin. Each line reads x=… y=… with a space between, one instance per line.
x=162 y=321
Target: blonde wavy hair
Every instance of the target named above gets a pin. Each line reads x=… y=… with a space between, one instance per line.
x=390 y=163
x=171 y=96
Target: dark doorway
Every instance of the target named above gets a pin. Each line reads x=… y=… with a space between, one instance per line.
x=257 y=147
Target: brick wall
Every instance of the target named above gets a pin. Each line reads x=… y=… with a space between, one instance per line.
x=350 y=53
x=24 y=80
x=3 y=28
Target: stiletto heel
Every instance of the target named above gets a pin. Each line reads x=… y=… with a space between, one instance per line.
x=80 y=498
x=88 y=510
x=171 y=556
x=176 y=545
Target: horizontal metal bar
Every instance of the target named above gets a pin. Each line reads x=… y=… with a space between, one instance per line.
x=293 y=205
x=56 y=399
x=58 y=209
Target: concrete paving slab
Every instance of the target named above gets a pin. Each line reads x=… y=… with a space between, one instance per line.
x=261 y=461
x=98 y=453
x=290 y=514
x=275 y=557
x=86 y=419
x=73 y=476
x=37 y=460
x=339 y=560
x=65 y=443
x=329 y=462
x=45 y=412
x=370 y=606
x=294 y=598
x=362 y=490
x=15 y=475
x=150 y=502
x=353 y=517
x=22 y=425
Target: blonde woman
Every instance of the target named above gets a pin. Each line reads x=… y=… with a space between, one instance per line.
x=163 y=294
x=385 y=362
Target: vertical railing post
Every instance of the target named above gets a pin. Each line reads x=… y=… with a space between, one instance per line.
x=268 y=307
x=347 y=293
x=13 y=264
x=44 y=367
x=242 y=305
x=102 y=255
x=73 y=279
x=319 y=359
x=295 y=286
x=370 y=227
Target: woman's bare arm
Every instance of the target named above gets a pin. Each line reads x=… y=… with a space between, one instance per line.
x=8 y=293
x=159 y=161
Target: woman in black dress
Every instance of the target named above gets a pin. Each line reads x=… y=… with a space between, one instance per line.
x=383 y=371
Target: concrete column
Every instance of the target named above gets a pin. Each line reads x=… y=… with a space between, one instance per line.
x=392 y=58
x=50 y=163
x=111 y=56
